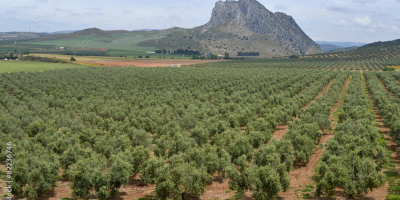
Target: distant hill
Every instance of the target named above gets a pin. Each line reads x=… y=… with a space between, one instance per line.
x=18 y=36
x=94 y=32
x=383 y=44
x=376 y=50
x=148 y=30
x=63 y=32
x=242 y=26
x=329 y=47
x=343 y=49
x=341 y=44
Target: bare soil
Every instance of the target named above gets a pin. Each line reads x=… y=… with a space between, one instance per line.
x=2 y=182
x=279 y=132
x=320 y=94
x=149 y=63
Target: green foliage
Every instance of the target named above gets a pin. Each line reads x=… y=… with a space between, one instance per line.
x=68 y=158
x=266 y=183
x=72 y=59
x=34 y=173
x=389 y=69
x=353 y=159
x=100 y=125
x=119 y=175
x=36 y=127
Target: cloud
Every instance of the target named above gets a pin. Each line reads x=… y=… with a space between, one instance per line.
x=93 y=13
x=341 y=22
x=339 y=6
x=96 y=8
x=127 y=11
x=393 y=27
x=363 y=22
x=63 y=10
x=366 y=1
x=280 y=6
x=26 y=7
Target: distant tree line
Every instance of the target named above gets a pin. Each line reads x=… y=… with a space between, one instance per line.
x=163 y=51
x=44 y=59
x=8 y=56
x=187 y=52
x=76 y=53
x=179 y=51
x=248 y=54
x=85 y=53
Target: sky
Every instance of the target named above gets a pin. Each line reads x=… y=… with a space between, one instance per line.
x=323 y=20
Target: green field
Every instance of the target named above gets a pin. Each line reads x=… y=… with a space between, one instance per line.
x=17 y=66
x=119 y=44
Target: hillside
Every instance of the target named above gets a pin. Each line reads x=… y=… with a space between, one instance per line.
x=343 y=49
x=329 y=47
x=18 y=36
x=244 y=25
x=342 y=44
x=95 y=32
x=384 y=44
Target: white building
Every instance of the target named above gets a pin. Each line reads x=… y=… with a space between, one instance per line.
x=61 y=48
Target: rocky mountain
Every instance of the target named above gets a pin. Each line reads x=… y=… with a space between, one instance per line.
x=244 y=25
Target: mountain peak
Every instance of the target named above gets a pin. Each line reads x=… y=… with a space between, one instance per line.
x=243 y=26
x=249 y=17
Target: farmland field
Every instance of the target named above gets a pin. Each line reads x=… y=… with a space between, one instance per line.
x=215 y=130
x=17 y=66
x=118 y=44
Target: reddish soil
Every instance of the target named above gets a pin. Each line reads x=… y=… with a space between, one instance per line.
x=218 y=188
x=279 y=132
x=150 y=63
x=2 y=183
x=320 y=94
x=134 y=190
x=302 y=173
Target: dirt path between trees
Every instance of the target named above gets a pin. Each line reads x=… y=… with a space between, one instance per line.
x=382 y=192
x=386 y=88
x=2 y=182
x=302 y=173
x=282 y=129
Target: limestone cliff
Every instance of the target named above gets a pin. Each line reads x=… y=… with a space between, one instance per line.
x=244 y=25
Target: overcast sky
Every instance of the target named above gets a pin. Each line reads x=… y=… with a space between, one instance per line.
x=332 y=20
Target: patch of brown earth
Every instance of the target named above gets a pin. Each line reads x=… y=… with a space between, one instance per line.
x=134 y=190
x=2 y=182
x=218 y=188
x=320 y=94
x=279 y=132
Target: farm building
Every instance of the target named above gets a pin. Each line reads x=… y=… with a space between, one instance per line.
x=61 y=48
